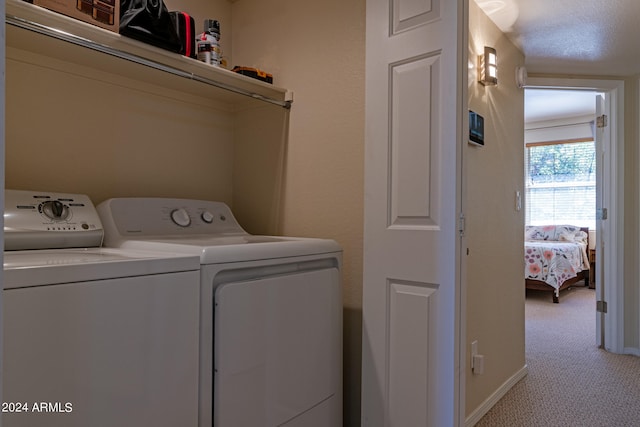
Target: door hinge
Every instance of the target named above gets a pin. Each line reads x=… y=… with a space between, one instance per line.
x=601 y=306
x=602 y=121
x=601 y=213
x=461 y=224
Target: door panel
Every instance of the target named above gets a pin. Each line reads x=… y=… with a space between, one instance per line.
x=411 y=169
x=409 y=14
x=411 y=339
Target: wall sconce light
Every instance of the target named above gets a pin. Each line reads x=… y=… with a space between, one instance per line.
x=488 y=67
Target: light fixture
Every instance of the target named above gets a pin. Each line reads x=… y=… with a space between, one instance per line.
x=488 y=67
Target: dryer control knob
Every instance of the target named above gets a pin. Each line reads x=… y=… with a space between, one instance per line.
x=207 y=217
x=181 y=217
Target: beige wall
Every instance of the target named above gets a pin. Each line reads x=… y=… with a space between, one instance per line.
x=77 y=129
x=495 y=230
x=74 y=129
x=316 y=49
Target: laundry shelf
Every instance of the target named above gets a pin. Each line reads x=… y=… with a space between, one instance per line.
x=52 y=35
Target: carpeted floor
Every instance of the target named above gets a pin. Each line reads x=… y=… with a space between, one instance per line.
x=571 y=382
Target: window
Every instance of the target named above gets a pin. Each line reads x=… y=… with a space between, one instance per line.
x=560 y=183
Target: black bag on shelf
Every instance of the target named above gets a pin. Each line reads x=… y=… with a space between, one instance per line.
x=186 y=29
x=149 y=21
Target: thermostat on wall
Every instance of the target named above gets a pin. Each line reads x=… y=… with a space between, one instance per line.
x=476 y=129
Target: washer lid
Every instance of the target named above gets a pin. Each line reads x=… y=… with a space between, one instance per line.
x=226 y=249
x=48 y=267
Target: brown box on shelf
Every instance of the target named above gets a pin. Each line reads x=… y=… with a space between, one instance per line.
x=103 y=13
x=254 y=73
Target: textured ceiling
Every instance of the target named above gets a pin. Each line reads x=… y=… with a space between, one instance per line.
x=544 y=104
x=583 y=37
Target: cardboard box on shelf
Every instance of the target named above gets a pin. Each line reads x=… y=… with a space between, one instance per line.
x=103 y=13
x=254 y=73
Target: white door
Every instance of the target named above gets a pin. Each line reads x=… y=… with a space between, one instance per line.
x=414 y=104
x=603 y=171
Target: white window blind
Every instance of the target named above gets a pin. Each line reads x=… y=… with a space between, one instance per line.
x=560 y=184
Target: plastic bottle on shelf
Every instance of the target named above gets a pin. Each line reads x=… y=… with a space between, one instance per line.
x=209 y=43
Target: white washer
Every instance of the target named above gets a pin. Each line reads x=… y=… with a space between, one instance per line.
x=93 y=336
x=271 y=311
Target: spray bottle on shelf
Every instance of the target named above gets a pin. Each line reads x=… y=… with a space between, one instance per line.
x=209 y=43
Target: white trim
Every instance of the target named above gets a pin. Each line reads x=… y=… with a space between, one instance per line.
x=490 y=401
x=571 y=83
x=637 y=274
x=613 y=259
x=461 y=315
x=632 y=351
x=637 y=267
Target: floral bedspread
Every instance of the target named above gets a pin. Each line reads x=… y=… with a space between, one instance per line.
x=554 y=261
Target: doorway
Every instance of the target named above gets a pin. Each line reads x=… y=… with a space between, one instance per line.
x=609 y=326
x=561 y=183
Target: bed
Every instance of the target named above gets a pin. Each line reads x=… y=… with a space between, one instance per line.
x=555 y=257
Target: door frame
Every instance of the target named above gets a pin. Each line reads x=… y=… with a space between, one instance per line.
x=2 y=160
x=613 y=271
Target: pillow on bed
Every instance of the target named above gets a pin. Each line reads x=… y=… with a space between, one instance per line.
x=577 y=237
x=571 y=233
x=567 y=237
x=540 y=232
x=561 y=233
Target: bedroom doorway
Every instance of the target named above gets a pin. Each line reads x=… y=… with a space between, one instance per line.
x=560 y=189
x=577 y=127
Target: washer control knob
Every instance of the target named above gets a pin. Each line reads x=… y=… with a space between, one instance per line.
x=55 y=210
x=181 y=217
x=207 y=217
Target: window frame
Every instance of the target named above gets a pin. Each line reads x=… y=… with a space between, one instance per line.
x=591 y=223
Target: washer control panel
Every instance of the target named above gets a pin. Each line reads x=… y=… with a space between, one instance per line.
x=42 y=220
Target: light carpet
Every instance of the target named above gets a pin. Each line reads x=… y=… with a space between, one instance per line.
x=571 y=382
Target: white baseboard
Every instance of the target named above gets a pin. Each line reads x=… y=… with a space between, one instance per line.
x=481 y=410
x=631 y=350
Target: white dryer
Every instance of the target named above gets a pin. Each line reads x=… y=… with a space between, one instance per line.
x=93 y=336
x=271 y=311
